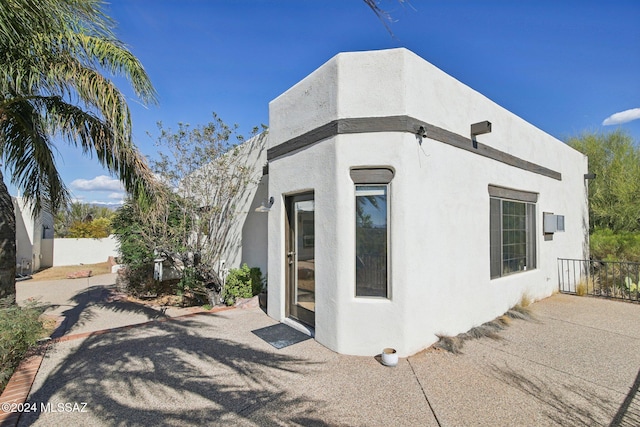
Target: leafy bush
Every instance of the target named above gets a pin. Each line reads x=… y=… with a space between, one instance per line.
x=243 y=282
x=257 y=281
x=137 y=280
x=19 y=331
x=139 y=232
x=615 y=159
x=189 y=281
x=129 y=227
x=615 y=246
x=83 y=220
x=97 y=229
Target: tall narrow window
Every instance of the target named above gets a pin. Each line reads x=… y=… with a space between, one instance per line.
x=512 y=225
x=371 y=240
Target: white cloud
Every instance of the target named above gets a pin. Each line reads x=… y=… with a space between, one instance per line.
x=116 y=196
x=99 y=183
x=622 y=117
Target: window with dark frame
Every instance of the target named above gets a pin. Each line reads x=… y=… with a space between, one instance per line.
x=372 y=231
x=371 y=241
x=512 y=231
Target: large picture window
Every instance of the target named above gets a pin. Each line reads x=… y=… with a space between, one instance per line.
x=512 y=232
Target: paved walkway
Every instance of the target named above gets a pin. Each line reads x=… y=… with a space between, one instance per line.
x=577 y=364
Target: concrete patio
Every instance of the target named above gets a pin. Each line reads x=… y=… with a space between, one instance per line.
x=576 y=364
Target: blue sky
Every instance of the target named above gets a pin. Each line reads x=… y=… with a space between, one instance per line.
x=564 y=66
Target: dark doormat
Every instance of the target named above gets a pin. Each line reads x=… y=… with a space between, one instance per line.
x=281 y=335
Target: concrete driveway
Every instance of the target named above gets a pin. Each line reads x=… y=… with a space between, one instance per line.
x=576 y=364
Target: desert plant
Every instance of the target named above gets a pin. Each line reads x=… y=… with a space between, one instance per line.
x=20 y=329
x=630 y=284
x=581 y=288
x=489 y=329
x=631 y=287
x=586 y=285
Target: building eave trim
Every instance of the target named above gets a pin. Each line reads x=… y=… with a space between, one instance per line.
x=404 y=124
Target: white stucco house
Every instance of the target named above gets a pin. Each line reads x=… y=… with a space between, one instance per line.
x=405 y=205
x=34 y=238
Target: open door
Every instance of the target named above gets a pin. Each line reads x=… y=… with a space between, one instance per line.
x=301 y=287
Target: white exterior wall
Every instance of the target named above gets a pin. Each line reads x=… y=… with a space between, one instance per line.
x=247 y=240
x=309 y=170
x=438 y=201
x=84 y=251
x=31 y=246
x=24 y=231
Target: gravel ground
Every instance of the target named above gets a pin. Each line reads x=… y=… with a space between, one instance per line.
x=576 y=364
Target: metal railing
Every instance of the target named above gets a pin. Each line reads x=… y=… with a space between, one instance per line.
x=610 y=279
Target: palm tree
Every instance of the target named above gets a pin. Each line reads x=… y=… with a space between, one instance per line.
x=54 y=56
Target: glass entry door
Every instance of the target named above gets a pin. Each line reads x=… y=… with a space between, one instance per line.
x=301 y=258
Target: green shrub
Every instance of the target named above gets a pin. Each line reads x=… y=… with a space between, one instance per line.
x=138 y=280
x=257 y=281
x=615 y=246
x=243 y=282
x=20 y=329
x=188 y=282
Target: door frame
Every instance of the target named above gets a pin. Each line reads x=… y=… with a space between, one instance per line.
x=292 y=310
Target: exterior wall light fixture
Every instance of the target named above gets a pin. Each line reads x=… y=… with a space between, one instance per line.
x=265 y=207
x=480 y=128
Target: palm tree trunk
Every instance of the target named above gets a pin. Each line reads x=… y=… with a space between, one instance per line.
x=7 y=243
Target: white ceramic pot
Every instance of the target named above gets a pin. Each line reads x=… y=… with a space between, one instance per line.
x=389 y=357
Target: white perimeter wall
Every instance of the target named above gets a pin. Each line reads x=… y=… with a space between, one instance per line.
x=83 y=251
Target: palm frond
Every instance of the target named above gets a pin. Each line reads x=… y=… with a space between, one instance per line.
x=54 y=55
x=114 y=57
x=22 y=17
x=383 y=15
x=32 y=162
x=96 y=136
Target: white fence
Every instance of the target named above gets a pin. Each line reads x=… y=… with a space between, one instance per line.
x=83 y=251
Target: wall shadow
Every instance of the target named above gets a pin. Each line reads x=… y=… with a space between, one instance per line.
x=100 y=297
x=567 y=403
x=629 y=412
x=167 y=373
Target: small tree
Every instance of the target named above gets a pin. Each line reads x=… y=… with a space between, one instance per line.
x=208 y=174
x=207 y=167
x=80 y=220
x=94 y=229
x=140 y=231
x=613 y=196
